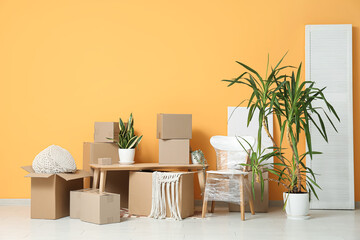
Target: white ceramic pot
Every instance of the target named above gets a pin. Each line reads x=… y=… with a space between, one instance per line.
x=297 y=205
x=126 y=156
x=194 y=157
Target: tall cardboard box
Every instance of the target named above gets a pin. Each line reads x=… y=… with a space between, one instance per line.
x=174 y=126
x=140 y=194
x=260 y=206
x=101 y=208
x=116 y=181
x=174 y=151
x=50 y=193
x=93 y=151
x=105 y=130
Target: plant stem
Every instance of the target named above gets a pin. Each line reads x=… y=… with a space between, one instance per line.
x=298 y=172
x=277 y=181
x=274 y=143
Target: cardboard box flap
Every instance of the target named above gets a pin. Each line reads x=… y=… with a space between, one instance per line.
x=39 y=175
x=29 y=169
x=71 y=176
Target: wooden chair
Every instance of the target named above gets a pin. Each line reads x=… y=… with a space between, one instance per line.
x=242 y=174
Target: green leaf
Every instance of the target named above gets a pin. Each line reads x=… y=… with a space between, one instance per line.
x=121 y=125
x=236 y=80
x=250 y=69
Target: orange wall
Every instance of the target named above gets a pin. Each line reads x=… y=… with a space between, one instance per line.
x=65 y=64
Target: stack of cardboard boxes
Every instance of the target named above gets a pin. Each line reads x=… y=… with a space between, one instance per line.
x=103 y=148
x=174 y=132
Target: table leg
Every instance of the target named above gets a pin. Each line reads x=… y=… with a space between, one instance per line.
x=96 y=178
x=102 y=181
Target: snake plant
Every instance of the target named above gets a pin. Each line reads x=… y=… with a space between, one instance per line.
x=127 y=139
x=295 y=104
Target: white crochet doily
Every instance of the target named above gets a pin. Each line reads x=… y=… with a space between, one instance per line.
x=54 y=159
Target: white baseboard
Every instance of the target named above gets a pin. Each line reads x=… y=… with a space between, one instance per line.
x=15 y=202
x=26 y=202
x=276 y=203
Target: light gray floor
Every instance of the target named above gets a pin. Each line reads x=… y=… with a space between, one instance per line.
x=15 y=223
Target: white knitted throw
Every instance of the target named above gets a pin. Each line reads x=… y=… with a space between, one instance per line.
x=165 y=183
x=54 y=159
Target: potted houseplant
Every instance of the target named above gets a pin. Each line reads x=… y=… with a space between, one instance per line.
x=127 y=141
x=197 y=157
x=294 y=104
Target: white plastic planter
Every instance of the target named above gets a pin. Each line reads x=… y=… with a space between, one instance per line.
x=126 y=156
x=297 y=205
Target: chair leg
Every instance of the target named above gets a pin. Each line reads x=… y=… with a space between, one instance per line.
x=242 y=198
x=212 y=206
x=204 y=206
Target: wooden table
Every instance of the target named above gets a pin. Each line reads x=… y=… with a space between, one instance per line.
x=101 y=170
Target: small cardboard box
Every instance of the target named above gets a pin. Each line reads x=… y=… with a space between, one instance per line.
x=104 y=161
x=101 y=208
x=260 y=206
x=93 y=151
x=174 y=126
x=105 y=130
x=75 y=202
x=174 y=151
x=50 y=193
x=140 y=194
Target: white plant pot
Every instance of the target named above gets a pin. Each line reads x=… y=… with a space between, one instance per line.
x=126 y=156
x=193 y=158
x=297 y=205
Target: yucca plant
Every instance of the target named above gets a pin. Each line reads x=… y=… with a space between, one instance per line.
x=291 y=101
x=127 y=139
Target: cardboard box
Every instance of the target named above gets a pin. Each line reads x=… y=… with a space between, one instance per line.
x=75 y=202
x=93 y=151
x=104 y=130
x=140 y=194
x=101 y=208
x=174 y=126
x=104 y=161
x=260 y=206
x=50 y=193
x=116 y=181
x=174 y=151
